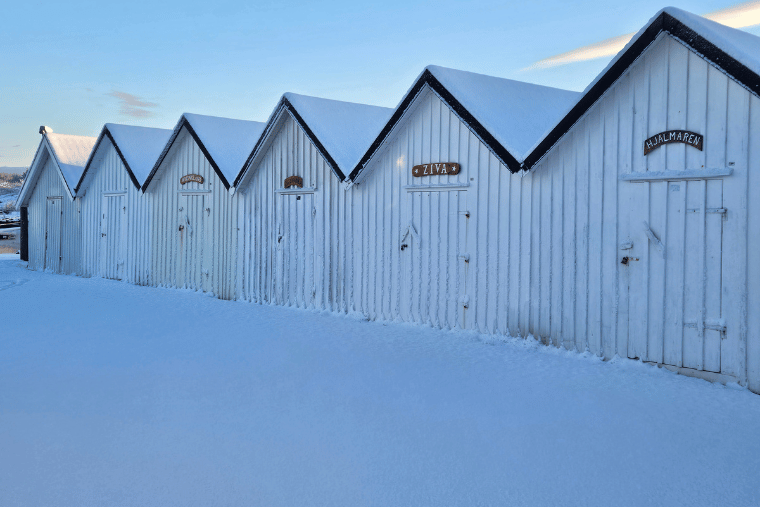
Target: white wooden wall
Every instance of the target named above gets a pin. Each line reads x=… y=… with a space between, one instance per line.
x=581 y=295
x=544 y=248
x=133 y=262
x=430 y=281
x=293 y=244
x=50 y=184
x=210 y=264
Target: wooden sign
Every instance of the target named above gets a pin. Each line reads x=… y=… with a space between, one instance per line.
x=293 y=181
x=673 y=136
x=439 y=168
x=191 y=177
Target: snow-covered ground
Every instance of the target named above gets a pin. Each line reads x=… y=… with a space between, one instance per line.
x=113 y=394
x=8 y=196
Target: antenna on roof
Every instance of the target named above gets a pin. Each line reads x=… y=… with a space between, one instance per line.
x=45 y=130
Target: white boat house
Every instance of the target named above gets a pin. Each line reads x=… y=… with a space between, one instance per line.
x=442 y=219
x=295 y=235
x=47 y=201
x=116 y=219
x=194 y=215
x=649 y=188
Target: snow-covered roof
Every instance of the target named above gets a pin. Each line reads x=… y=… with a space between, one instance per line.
x=507 y=115
x=69 y=152
x=341 y=131
x=225 y=142
x=138 y=148
x=734 y=51
x=228 y=141
x=514 y=112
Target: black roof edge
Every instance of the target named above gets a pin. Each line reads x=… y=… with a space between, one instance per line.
x=185 y=123
x=314 y=140
x=89 y=161
x=123 y=159
x=428 y=78
x=286 y=104
x=269 y=126
x=664 y=23
x=107 y=133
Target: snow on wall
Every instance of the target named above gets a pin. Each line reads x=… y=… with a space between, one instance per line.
x=660 y=306
x=131 y=228
x=292 y=244
x=194 y=231
x=54 y=241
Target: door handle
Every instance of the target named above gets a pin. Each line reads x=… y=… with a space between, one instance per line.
x=654 y=239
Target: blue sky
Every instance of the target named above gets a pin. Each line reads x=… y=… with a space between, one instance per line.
x=77 y=65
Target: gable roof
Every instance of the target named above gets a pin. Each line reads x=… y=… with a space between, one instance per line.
x=341 y=131
x=69 y=152
x=225 y=143
x=137 y=147
x=733 y=51
x=508 y=116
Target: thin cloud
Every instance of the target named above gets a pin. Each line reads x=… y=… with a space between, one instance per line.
x=737 y=16
x=131 y=105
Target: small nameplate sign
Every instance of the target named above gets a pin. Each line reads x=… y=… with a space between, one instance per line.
x=440 y=168
x=673 y=136
x=293 y=181
x=191 y=177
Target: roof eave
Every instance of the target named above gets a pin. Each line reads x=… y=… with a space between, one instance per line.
x=285 y=105
x=427 y=78
x=183 y=122
x=52 y=152
x=30 y=175
x=665 y=22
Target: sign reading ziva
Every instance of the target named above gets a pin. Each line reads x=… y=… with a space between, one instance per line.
x=440 y=168
x=191 y=177
x=673 y=136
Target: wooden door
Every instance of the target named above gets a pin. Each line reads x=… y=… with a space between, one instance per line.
x=53 y=215
x=194 y=254
x=435 y=260
x=112 y=240
x=675 y=273
x=294 y=262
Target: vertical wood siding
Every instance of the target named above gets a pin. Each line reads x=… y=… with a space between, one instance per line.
x=643 y=309
x=293 y=247
x=544 y=248
x=450 y=272
x=201 y=256
x=50 y=184
x=133 y=261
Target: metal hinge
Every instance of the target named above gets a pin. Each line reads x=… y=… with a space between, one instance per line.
x=712 y=324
